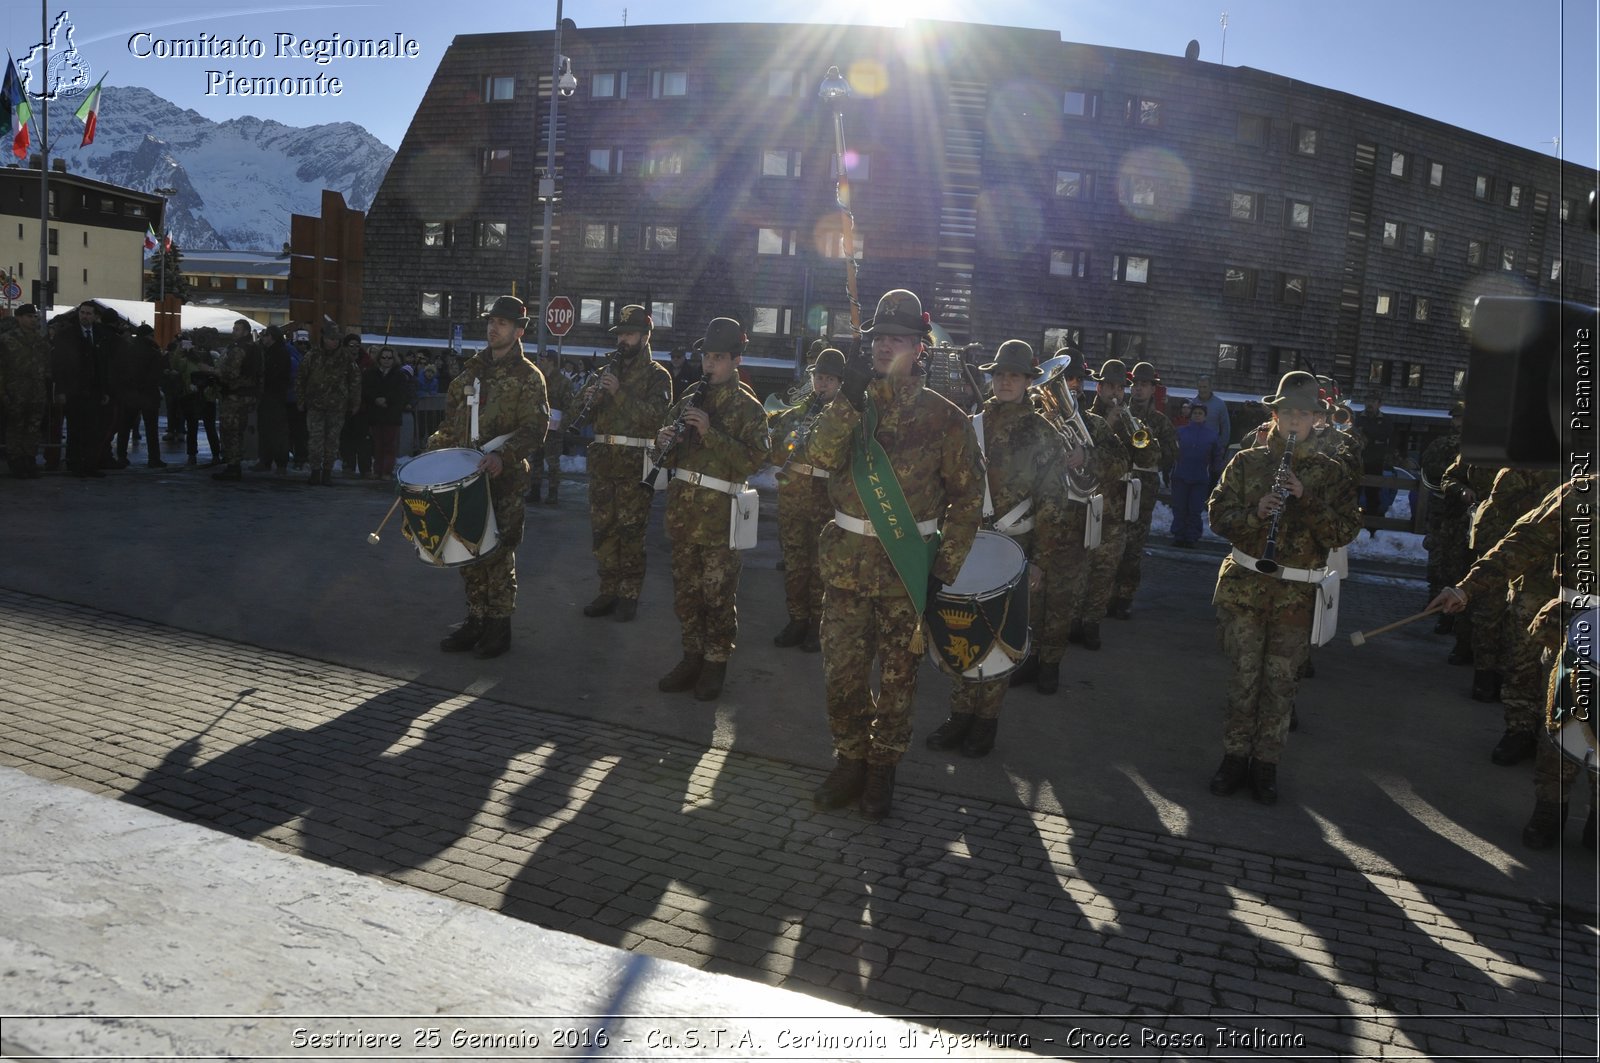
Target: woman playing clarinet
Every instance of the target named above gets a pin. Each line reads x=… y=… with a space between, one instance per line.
x=1283 y=506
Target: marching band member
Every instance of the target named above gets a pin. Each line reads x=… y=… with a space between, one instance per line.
x=630 y=401
x=803 y=505
x=906 y=480
x=1150 y=463
x=511 y=399
x=1303 y=505
x=1100 y=577
x=717 y=439
x=1025 y=456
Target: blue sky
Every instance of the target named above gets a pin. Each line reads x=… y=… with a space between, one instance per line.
x=1521 y=72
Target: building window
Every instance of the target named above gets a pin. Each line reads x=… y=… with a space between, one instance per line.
x=269 y=285
x=491 y=235
x=605 y=162
x=1397 y=164
x=1566 y=210
x=1464 y=315
x=782 y=82
x=1419 y=308
x=1481 y=187
x=1251 y=130
x=1304 y=140
x=1555 y=269
x=1127 y=346
x=609 y=85
x=775 y=241
x=1282 y=360
x=240 y=284
x=1513 y=196
x=1080 y=104
x=1384 y=307
x=1392 y=234
x=1430 y=242
x=1244 y=206
x=496 y=161
x=55 y=241
x=1144 y=112
x=497 y=88
x=1541 y=202
x=134 y=210
x=664 y=83
x=1062 y=336
x=1436 y=175
x=665 y=163
x=1474 y=252
x=1234 y=356
x=601 y=236
x=780 y=162
x=1413 y=374
x=433 y=304
x=435 y=234
x=594 y=311
x=1508 y=259
x=1380 y=372
x=1139 y=191
x=833 y=244
x=660 y=238
x=1298 y=215
x=1069 y=262
x=1074 y=184
x=485 y=304
x=661 y=313
x=1458 y=380
x=1293 y=290
x=1131 y=269
x=772 y=320
x=1238 y=283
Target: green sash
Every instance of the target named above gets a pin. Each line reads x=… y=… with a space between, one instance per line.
x=890 y=513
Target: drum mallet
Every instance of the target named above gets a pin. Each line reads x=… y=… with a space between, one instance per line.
x=1359 y=638
x=372 y=537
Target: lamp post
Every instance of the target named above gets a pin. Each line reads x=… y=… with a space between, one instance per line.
x=164 y=192
x=835 y=89
x=562 y=85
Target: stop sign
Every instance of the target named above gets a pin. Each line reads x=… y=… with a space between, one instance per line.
x=559 y=316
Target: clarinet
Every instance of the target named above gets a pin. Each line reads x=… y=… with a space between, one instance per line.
x=588 y=403
x=1280 y=488
x=679 y=427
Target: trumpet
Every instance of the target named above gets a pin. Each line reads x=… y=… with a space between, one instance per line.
x=1341 y=415
x=802 y=431
x=1138 y=434
x=1054 y=400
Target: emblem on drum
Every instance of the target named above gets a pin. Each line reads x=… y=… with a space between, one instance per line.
x=962 y=651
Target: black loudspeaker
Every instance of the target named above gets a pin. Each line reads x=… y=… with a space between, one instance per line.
x=1530 y=383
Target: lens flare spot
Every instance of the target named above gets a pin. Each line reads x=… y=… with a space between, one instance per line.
x=1010 y=219
x=1153 y=184
x=868 y=78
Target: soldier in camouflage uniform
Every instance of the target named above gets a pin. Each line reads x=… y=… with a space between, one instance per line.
x=327 y=390
x=803 y=505
x=24 y=361
x=1150 y=464
x=867 y=610
x=1026 y=457
x=717 y=438
x=1099 y=580
x=1546 y=545
x=511 y=402
x=1465 y=486
x=1435 y=461
x=630 y=403
x=559 y=390
x=239 y=376
x=1264 y=620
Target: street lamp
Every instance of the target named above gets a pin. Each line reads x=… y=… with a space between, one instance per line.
x=835 y=89
x=562 y=84
x=161 y=248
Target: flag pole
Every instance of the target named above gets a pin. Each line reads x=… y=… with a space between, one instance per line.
x=46 y=296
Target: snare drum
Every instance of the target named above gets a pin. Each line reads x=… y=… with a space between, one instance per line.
x=978 y=625
x=1575 y=678
x=447 y=509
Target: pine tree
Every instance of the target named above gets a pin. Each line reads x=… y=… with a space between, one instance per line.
x=169 y=262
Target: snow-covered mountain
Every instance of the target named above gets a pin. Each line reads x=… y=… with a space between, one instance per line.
x=238 y=181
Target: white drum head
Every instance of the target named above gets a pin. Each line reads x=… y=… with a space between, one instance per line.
x=994 y=562
x=439 y=467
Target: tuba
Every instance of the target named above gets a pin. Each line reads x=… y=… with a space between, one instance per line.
x=1053 y=399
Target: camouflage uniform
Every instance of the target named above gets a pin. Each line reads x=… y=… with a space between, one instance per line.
x=1264 y=621
x=1150 y=464
x=1455 y=539
x=803 y=511
x=866 y=611
x=24 y=361
x=705 y=569
x=559 y=390
x=327 y=388
x=239 y=376
x=1435 y=461
x=1105 y=563
x=618 y=508
x=511 y=399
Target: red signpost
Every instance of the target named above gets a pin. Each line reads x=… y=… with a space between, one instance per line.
x=559 y=316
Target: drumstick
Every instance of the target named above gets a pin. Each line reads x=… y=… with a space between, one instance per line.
x=372 y=537
x=1359 y=638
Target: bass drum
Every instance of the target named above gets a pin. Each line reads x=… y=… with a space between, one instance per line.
x=446 y=507
x=978 y=625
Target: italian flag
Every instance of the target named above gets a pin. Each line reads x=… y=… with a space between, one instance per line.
x=89 y=114
x=16 y=105
x=149 y=238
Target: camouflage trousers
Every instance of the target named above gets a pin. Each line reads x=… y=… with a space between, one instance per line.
x=856 y=629
x=233 y=415
x=23 y=418
x=705 y=590
x=1517 y=658
x=803 y=510
x=552 y=463
x=491 y=581
x=619 y=509
x=1059 y=551
x=1266 y=642
x=1490 y=634
x=322 y=444
x=1100 y=568
x=980 y=699
x=1135 y=535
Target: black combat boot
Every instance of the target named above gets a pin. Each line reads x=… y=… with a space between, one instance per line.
x=496 y=637
x=1049 y=677
x=793 y=633
x=877 y=796
x=316 y=477
x=1075 y=633
x=464 y=637
x=812 y=643
x=683 y=675
x=627 y=609
x=601 y=606
x=949 y=734
x=230 y=472
x=1544 y=826
x=1485 y=685
x=1514 y=747
x=1091 y=636
x=1026 y=672
x=1120 y=609
x=980 y=739
x=1264 y=782
x=1230 y=774
x=842 y=786
x=708 y=685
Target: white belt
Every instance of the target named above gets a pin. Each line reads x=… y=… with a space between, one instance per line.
x=864 y=527
x=625 y=441
x=1571 y=596
x=1128 y=478
x=808 y=470
x=700 y=479
x=1018 y=519
x=1293 y=575
x=1140 y=468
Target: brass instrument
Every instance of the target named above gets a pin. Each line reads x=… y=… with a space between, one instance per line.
x=1138 y=434
x=1280 y=487
x=796 y=396
x=1054 y=400
x=1341 y=414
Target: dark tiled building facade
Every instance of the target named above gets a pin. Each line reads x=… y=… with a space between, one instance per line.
x=1207 y=218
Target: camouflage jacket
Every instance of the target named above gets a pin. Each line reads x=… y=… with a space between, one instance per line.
x=787 y=448
x=735 y=447
x=1514 y=493
x=1026 y=459
x=1106 y=459
x=558 y=390
x=329 y=381
x=935 y=457
x=1339 y=446
x=511 y=400
x=1162 y=453
x=189 y=365
x=24 y=362
x=234 y=371
x=1324 y=517
x=638 y=410
x=1114 y=490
